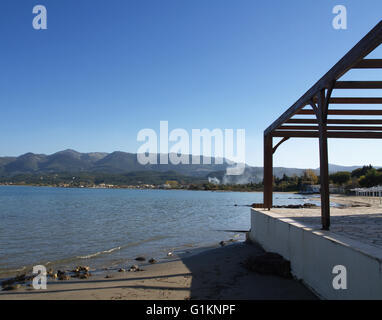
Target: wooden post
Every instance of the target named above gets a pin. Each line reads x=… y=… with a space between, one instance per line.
x=324 y=161
x=268 y=171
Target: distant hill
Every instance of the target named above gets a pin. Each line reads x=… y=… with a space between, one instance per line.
x=333 y=168
x=71 y=161
x=6 y=160
x=113 y=163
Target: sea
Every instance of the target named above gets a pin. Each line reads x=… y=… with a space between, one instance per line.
x=109 y=228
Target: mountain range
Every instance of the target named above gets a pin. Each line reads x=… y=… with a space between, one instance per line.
x=71 y=161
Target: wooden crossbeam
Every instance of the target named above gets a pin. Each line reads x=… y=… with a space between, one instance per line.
x=336 y=121
x=330 y=134
x=369 y=64
x=355 y=101
x=348 y=112
x=329 y=128
x=358 y=85
x=279 y=144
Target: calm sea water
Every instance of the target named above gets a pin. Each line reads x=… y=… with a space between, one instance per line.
x=104 y=227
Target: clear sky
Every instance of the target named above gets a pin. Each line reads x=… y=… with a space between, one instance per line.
x=103 y=70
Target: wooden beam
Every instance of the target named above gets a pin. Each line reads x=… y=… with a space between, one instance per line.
x=349 y=112
x=324 y=161
x=354 y=121
x=355 y=101
x=279 y=144
x=268 y=172
x=331 y=134
x=331 y=128
x=302 y=121
x=369 y=64
x=336 y=121
x=371 y=41
x=358 y=85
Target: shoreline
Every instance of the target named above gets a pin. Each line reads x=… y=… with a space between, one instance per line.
x=137 y=188
x=205 y=273
x=132 y=188
x=113 y=264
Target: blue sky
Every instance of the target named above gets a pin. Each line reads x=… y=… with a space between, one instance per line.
x=106 y=69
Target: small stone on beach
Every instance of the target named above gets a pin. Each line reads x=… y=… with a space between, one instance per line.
x=134 y=268
x=85 y=275
x=11 y=287
x=81 y=269
x=20 y=278
x=61 y=275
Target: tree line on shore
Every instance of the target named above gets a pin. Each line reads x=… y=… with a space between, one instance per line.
x=367 y=176
x=364 y=177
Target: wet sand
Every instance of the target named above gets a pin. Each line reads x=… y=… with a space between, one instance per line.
x=215 y=273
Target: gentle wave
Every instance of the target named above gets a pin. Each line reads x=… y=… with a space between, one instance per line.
x=129 y=245
x=5 y=271
x=88 y=256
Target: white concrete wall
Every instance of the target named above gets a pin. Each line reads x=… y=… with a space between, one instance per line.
x=314 y=253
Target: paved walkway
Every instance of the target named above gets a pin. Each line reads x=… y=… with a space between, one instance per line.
x=360 y=220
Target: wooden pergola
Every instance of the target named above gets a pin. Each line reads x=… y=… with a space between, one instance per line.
x=315 y=103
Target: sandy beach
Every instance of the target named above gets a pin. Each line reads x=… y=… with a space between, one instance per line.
x=215 y=273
